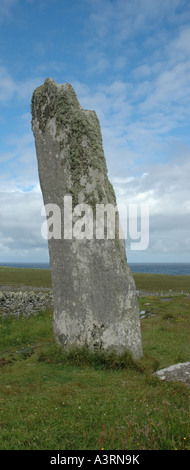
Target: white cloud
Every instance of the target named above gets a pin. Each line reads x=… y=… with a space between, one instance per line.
x=10 y=88
x=20 y=235
x=180 y=47
x=165 y=189
x=7 y=85
x=143 y=111
x=124 y=20
x=20 y=171
x=25 y=88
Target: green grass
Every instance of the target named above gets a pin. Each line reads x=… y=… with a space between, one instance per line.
x=27 y=277
x=161 y=282
x=146 y=282
x=51 y=399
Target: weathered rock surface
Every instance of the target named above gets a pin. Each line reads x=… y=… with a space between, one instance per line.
x=95 y=300
x=177 y=372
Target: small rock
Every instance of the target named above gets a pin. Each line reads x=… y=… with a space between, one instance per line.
x=177 y=372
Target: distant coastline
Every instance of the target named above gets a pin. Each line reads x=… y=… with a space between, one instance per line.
x=154 y=268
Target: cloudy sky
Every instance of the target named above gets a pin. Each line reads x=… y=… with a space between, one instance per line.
x=129 y=60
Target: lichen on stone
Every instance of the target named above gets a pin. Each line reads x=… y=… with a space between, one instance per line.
x=91 y=280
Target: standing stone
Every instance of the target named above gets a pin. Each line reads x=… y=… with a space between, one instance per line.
x=95 y=300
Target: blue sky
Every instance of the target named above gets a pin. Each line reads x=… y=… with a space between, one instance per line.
x=129 y=60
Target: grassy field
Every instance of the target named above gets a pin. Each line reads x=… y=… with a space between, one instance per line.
x=54 y=400
x=146 y=282
x=162 y=282
x=27 y=277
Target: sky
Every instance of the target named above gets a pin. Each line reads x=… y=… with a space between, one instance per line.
x=129 y=60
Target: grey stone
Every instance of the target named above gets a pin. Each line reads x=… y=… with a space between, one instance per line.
x=95 y=301
x=24 y=303
x=176 y=372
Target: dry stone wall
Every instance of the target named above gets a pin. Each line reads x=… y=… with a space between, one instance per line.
x=26 y=302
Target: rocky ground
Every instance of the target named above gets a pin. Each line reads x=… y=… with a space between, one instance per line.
x=24 y=300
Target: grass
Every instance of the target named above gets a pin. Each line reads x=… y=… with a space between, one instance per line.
x=51 y=399
x=146 y=282
x=162 y=282
x=27 y=277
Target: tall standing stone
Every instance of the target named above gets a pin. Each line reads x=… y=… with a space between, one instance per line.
x=95 y=300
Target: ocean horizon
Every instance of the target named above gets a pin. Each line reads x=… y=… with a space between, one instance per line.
x=154 y=268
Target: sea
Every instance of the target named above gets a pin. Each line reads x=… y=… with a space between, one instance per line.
x=156 y=268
